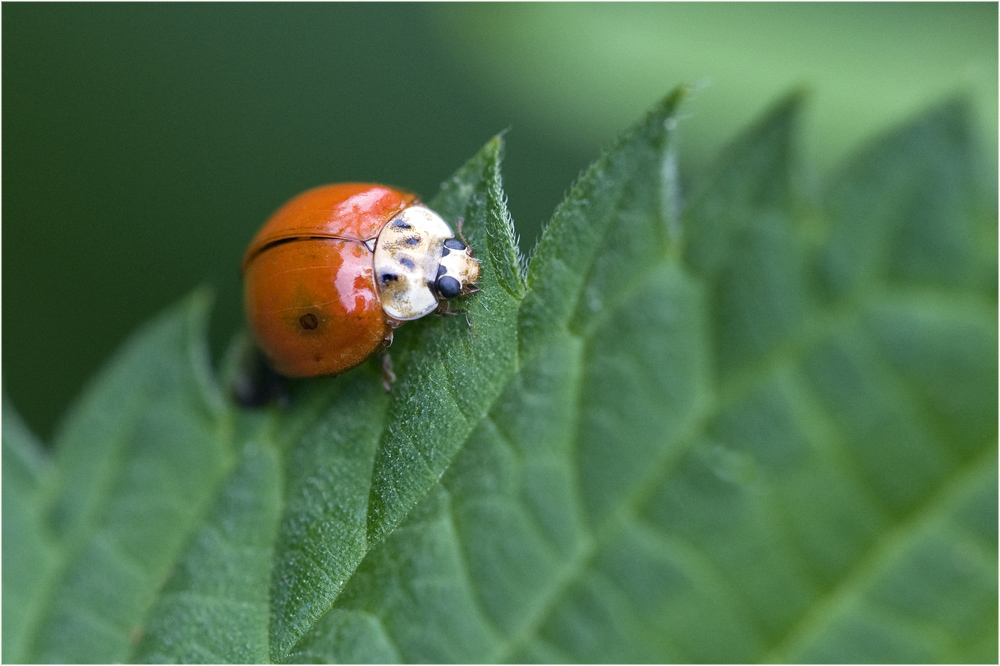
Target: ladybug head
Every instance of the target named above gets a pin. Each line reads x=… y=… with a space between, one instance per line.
x=458 y=272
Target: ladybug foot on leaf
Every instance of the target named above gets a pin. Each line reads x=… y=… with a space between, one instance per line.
x=444 y=309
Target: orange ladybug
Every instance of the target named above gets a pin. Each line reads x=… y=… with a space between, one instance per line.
x=337 y=268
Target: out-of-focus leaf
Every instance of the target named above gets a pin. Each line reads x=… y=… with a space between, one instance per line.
x=136 y=463
x=29 y=554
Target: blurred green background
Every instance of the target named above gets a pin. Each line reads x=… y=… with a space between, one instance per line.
x=144 y=143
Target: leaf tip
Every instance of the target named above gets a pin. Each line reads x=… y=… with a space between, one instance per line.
x=198 y=305
x=672 y=100
x=494 y=147
x=664 y=114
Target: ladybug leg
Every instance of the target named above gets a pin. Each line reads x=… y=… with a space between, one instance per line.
x=387 y=340
x=388 y=376
x=444 y=309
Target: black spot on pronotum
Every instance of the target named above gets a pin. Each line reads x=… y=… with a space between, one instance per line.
x=448 y=287
x=308 y=321
x=413 y=240
x=388 y=277
x=406 y=261
x=441 y=270
x=399 y=223
x=454 y=244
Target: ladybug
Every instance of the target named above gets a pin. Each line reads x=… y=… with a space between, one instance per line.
x=336 y=269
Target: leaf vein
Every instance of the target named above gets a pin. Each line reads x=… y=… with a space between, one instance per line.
x=881 y=551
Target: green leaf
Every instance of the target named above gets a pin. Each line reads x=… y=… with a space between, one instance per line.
x=29 y=555
x=135 y=465
x=756 y=427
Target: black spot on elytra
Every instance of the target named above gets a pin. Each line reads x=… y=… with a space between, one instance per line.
x=388 y=277
x=399 y=223
x=406 y=261
x=308 y=321
x=413 y=240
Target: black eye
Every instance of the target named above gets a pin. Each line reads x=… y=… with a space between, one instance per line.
x=448 y=287
x=454 y=244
